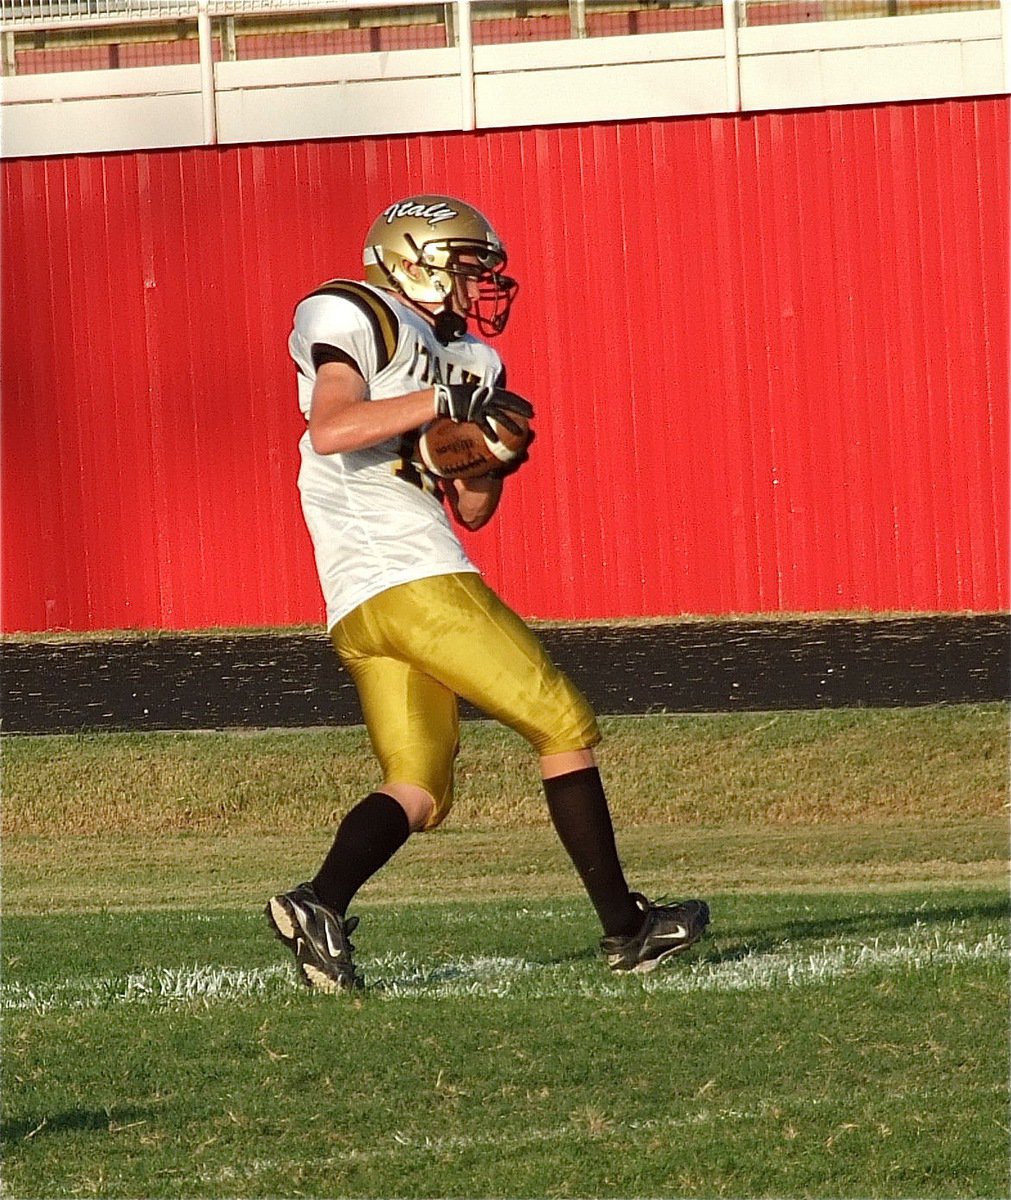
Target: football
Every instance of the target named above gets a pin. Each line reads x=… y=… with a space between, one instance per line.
x=460 y=450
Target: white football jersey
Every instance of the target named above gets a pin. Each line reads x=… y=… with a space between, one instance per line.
x=376 y=519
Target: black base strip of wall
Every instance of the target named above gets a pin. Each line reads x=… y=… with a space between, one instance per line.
x=212 y=681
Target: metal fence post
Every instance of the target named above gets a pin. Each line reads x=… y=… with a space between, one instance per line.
x=465 y=40
x=732 y=55
x=208 y=100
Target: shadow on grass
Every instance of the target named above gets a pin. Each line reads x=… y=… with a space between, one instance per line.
x=725 y=943
x=73 y=1120
x=868 y=924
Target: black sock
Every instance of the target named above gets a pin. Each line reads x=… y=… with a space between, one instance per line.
x=368 y=837
x=580 y=815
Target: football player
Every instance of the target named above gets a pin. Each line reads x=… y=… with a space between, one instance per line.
x=407 y=612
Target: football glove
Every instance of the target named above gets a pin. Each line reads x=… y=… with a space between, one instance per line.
x=481 y=404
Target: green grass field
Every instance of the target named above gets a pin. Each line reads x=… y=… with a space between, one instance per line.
x=841 y=1033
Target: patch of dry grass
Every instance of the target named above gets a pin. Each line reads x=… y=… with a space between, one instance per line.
x=238 y=871
x=834 y=766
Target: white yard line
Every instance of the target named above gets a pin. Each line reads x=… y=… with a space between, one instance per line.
x=399 y=977
x=400 y=1144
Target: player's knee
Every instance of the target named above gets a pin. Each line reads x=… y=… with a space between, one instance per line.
x=565 y=762
x=572 y=726
x=426 y=779
x=417 y=802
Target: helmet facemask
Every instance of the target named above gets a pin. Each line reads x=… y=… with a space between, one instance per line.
x=481 y=291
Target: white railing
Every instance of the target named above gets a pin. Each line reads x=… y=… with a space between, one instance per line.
x=78 y=14
x=211 y=20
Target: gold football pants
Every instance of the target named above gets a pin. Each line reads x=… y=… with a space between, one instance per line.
x=412 y=650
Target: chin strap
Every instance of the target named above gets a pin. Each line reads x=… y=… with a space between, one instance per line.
x=449 y=326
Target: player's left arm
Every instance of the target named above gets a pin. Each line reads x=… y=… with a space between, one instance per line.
x=473 y=501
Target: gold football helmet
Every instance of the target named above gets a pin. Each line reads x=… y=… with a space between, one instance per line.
x=434 y=250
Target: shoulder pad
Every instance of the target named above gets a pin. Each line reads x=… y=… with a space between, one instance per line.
x=377 y=311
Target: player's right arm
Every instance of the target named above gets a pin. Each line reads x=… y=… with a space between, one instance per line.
x=342 y=418
x=344 y=337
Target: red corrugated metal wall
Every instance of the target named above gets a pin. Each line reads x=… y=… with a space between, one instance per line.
x=769 y=355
